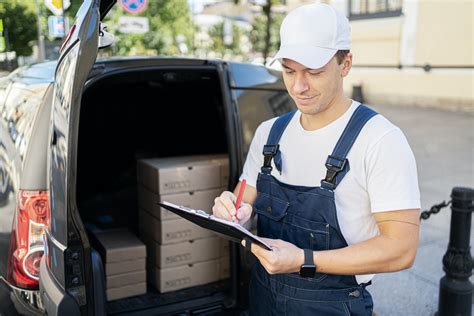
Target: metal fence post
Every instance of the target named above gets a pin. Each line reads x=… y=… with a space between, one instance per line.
x=455 y=291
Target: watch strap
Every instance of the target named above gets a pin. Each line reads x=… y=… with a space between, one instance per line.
x=308 y=257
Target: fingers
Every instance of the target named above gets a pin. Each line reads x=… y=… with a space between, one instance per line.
x=283 y=258
x=228 y=199
x=224 y=207
x=258 y=251
x=263 y=255
x=274 y=243
x=221 y=212
x=244 y=213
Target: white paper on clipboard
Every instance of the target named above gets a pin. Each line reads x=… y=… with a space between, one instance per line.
x=233 y=230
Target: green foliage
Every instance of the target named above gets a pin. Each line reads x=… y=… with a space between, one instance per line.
x=19 y=20
x=265 y=30
x=73 y=8
x=216 y=33
x=257 y=35
x=168 y=21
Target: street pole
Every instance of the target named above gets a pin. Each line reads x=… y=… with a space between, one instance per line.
x=455 y=292
x=41 y=53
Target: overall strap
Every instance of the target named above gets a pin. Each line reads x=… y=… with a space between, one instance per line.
x=337 y=164
x=272 y=149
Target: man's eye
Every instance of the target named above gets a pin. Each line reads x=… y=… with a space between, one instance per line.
x=314 y=73
x=289 y=72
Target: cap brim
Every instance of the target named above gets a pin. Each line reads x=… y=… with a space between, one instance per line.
x=309 y=56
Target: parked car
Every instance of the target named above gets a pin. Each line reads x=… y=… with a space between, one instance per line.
x=70 y=134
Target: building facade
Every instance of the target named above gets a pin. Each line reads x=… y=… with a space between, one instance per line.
x=412 y=52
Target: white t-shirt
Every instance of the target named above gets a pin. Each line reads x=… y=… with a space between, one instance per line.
x=382 y=175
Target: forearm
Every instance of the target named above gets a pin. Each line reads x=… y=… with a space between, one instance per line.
x=376 y=255
x=393 y=250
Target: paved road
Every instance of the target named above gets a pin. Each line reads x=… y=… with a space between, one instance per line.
x=443 y=143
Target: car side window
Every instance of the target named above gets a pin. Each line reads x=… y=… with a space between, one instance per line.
x=257 y=106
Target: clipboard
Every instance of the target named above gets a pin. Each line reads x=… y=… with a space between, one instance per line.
x=233 y=230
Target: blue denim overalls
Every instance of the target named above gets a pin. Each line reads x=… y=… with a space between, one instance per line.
x=307 y=218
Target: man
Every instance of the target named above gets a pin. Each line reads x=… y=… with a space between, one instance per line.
x=332 y=221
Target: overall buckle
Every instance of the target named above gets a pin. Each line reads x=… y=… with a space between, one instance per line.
x=334 y=165
x=270 y=149
x=268 y=152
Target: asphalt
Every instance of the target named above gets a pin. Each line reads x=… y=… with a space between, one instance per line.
x=443 y=144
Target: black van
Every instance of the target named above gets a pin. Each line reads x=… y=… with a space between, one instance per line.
x=70 y=134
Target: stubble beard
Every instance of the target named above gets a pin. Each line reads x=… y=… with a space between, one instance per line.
x=313 y=109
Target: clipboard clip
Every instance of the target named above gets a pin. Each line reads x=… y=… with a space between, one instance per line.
x=202 y=213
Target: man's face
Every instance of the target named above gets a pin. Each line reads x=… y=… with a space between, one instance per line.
x=314 y=90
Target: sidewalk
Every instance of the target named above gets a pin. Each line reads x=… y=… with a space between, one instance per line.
x=443 y=145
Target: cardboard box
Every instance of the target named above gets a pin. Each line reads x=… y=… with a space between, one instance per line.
x=224 y=268
x=183 y=174
x=176 y=278
x=224 y=247
x=200 y=200
x=119 y=245
x=126 y=291
x=165 y=256
x=119 y=280
x=170 y=231
x=125 y=266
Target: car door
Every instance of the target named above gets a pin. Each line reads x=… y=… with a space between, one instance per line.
x=64 y=272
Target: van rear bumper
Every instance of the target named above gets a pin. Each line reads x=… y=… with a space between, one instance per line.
x=54 y=299
x=18 y=302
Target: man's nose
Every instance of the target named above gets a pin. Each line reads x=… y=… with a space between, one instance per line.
x=300 y=84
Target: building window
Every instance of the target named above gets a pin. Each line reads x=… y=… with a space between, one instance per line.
x=370 y=9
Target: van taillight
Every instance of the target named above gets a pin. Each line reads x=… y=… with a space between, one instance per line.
x=27 y=241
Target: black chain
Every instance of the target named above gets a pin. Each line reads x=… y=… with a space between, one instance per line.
x=434 y=209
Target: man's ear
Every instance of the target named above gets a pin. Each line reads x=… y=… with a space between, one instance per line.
x=346 y=65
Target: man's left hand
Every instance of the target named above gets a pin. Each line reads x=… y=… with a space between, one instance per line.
x=284 y=258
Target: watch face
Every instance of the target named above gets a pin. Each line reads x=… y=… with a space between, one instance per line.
x=307 y=271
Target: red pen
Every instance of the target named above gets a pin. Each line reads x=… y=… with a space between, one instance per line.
x=239 y=197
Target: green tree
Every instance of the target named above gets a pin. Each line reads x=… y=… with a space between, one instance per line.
x=19 y=23
x=258 y=36
x=73 y=8
x=218 y=44
x=266 y=29
x=169 y=22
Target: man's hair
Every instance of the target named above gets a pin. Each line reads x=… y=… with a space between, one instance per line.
x=341 y=55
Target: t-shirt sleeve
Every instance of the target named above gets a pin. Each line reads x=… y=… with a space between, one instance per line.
x=254 y=160
x=392 y=179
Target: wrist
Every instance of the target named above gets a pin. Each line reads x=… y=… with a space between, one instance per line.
x=308 y=268
x=299 y=260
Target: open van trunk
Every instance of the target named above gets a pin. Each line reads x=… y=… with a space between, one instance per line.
x=146 y=113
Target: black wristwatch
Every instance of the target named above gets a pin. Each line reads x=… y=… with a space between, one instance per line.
x=308 y=269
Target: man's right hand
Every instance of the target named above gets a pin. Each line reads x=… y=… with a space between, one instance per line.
x=224 y=207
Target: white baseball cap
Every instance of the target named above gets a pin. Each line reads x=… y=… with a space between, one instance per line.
x=312 y=34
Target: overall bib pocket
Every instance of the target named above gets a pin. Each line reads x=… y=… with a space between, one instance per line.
x=307 y=234
x=271 y=212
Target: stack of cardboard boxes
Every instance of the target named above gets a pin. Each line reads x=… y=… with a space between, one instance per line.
x=180 y=253
x=124 y=257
